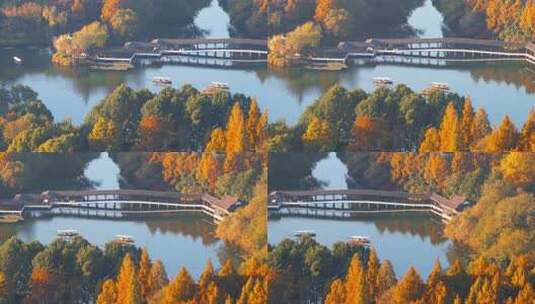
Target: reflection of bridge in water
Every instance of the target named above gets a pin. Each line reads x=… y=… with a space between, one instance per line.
x=120 y=203
x=228 y=52
x=223 y=52
x=358 y=202
x=431 y=51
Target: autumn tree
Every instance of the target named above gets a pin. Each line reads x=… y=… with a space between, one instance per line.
x=386 y=278
x=157 y=279
x=431 y=141
x=103 y=135
x=110 y=8
x=125 y=23
x=527 y=135
x=518 y=168
x=108 y=293
x=235 y=138
x=467 y=122
x=322 y=9
x=336 y=293
x=128 y=290
x=180 y=289
x=43 y=286
x=356 y=283
x=409 y=289
x=318 y=135
x=143 y=274
x=502 y=139
x=450 y=137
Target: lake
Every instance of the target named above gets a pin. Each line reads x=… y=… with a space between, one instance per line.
x=501 y=88
x=178 y=240
x=414 y=239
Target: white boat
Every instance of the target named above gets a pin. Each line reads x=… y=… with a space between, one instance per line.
x=17 y=60
x=359 y=240
x=216 y=87
x=162 y=80
x=440 y=86
x=301 y=233
x=383 y=81
x=124 y=239
x=220 y=85
x=67 y=232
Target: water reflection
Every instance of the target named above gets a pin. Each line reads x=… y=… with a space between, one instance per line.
x=186 y=240
x=406 y=240
x=500 y=88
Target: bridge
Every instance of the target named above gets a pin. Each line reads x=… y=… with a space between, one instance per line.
x=447 y=48
x=120 y=203
x=225 y=50
x=354 y=202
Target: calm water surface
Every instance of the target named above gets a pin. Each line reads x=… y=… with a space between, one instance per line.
x=504 y=88
x=406 y=239
x=186 y=239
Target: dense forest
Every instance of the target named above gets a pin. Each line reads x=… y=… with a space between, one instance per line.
x=338 y=18
x=398 y=119
x=242 y=175
x=183 y=119
x=75 y=271
x=501 y=187
x=308 y=272
x=497 y=231
x=30 y=22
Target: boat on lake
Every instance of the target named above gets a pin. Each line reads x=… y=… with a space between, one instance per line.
x=67 y=233
x=383 y=81
x=303 y=233
x=436 y=87
x=359 y=240
x=124 y=239
x=215 y=87
x=17 y=60
x=162 y=80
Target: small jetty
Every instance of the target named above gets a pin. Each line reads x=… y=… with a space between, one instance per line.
x=216 y=87
x=383 y=82
x=162 y=80
x=124 y=239
x=359 y=240
x=304 y=233
x=17 y=60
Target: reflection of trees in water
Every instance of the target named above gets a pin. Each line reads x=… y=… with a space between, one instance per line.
x=194 y=226
x=45 y=171
x=137 y=172
x=299 y=81
x=519 y=75
x=293 y=171
x=422 y=226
